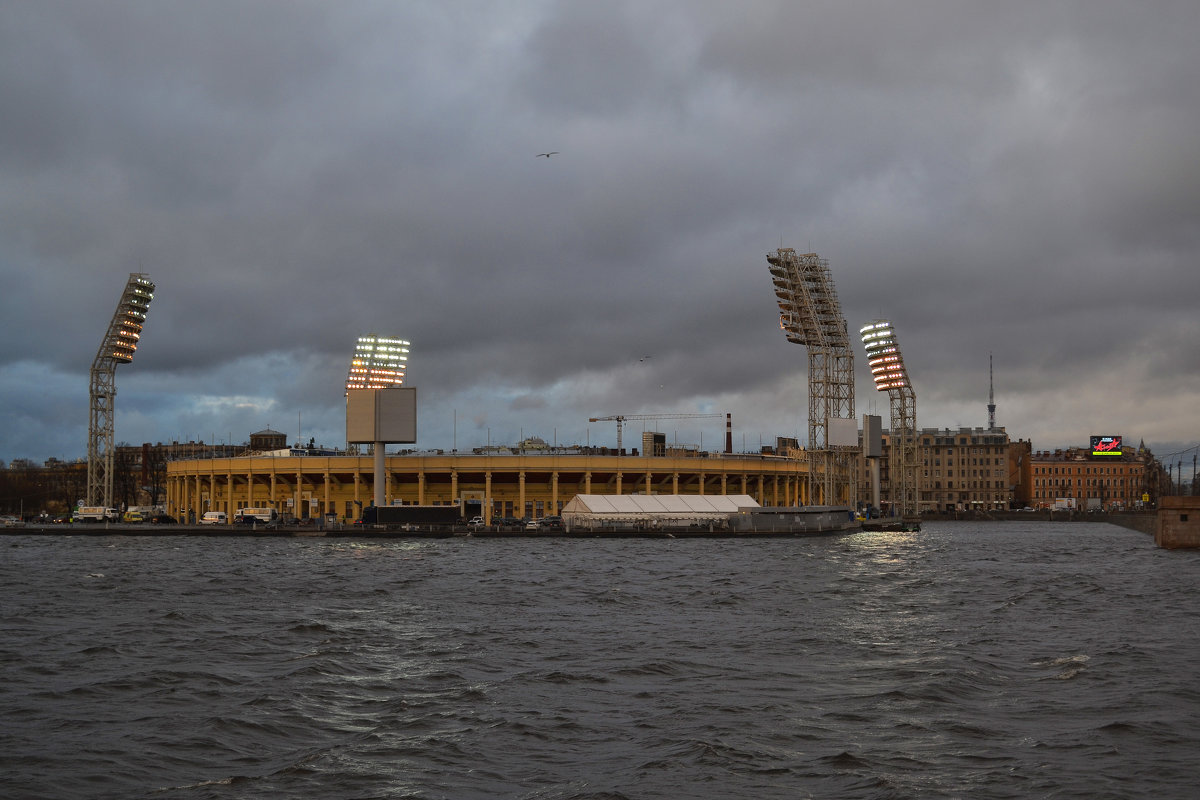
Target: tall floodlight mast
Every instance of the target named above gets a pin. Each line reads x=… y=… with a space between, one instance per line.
x=379 y=362
x=811 y=315
x=118 y=347
x=890 y=375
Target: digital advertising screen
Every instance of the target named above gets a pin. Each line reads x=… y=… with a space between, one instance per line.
x=1106 y=445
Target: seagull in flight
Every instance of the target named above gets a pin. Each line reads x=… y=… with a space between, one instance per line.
x=547 y=155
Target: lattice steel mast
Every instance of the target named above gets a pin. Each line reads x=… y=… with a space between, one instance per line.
x=118 y=347
x=891 y=376
x=811 y=315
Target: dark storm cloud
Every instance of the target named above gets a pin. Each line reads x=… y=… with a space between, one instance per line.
x=1016 y=179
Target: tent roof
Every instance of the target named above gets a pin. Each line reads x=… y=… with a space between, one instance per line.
x=665 y=504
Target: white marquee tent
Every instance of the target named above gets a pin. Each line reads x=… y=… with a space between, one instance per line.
x=661 y=509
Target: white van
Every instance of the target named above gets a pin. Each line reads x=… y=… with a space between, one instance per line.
x=214 y=518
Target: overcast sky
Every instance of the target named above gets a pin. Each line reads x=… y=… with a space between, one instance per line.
x=1020 y=179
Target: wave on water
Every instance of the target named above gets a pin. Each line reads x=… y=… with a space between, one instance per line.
x=1072 y=666
x=972 y=660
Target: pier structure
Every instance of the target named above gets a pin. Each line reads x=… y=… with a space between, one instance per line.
x=810 y=315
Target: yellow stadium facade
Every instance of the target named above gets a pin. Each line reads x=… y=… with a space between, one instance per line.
x=519 y=485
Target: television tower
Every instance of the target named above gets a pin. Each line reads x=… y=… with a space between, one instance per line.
x=118 y=347
x=991 y=397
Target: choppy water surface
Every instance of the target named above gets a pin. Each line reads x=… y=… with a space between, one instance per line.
x=970 y=660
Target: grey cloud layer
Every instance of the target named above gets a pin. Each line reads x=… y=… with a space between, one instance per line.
x=1012 y=178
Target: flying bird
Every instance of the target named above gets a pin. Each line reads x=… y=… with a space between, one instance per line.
x=547 y=155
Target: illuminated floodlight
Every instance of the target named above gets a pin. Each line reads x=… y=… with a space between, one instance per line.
x=883 y=355
x=119 y=345
x=379 y=362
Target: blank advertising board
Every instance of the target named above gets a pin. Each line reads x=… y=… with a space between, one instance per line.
x=842 y=432
x=381 y=415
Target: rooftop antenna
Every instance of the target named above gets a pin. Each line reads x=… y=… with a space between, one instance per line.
x=991 y=397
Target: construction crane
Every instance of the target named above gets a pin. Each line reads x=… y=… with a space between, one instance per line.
x=620 y=419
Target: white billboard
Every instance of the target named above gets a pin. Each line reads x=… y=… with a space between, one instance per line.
x=842 y=432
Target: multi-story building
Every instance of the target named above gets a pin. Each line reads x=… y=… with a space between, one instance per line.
x=964 y=469
x=958 y=470
x=1077 y=478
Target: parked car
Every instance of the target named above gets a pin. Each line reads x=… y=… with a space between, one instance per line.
x=553 y=523
x=214 y=518
x=475 y=522
x=163 y=519
x=12 y=522
x=532 y=525
x=133 y=518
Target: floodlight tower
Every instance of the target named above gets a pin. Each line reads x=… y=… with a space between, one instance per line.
x=118 y=347
x=378 y=362
x=890 y=375
x=810 y=315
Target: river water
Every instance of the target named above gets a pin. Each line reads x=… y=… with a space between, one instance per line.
x=974 y=660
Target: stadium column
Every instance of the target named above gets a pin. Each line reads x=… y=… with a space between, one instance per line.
x=521 y=491
x=619 y=476
x=421 y=488
x=587 y=482
x=487 y=497
x=388 y=495
x=212 y=487
x=675 y=483
x=328 y=482
x=553 y=492
x=454 y=486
